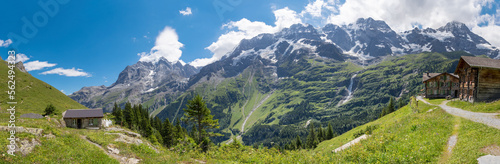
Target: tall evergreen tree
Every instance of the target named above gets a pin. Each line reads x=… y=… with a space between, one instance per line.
x=390 y=106
x=198 y=114
x=320 y=134
x=167 y=133
x=312 y=140
x=117 y=113
x=128 y=114
x=298 y=142
x=329 y=133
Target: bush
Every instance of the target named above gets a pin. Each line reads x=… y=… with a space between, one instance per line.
x=50 y=110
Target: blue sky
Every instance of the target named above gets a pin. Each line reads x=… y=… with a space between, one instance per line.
x=88 y=43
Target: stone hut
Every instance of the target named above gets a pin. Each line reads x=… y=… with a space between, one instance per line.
x=83 y=118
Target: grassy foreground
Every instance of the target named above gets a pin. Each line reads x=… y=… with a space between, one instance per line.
x=493 y=107
x=405 y=136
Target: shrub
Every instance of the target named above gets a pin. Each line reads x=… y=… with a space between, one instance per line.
x=50 y=110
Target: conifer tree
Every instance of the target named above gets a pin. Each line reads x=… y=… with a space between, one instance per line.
x=167 y=133
x=298 y=142
x=329 y=134
x=199 y=115
x=320 y=134
x=117 y=112
x=128 y=114
x=312 y=140
x=390 y=106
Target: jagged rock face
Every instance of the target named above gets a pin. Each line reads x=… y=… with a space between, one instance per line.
x=280 y=53
x=374 y=38
x=20 y=66
x=271 y=51
x=138 y=83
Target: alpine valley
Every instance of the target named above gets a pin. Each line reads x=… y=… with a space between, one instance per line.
x=270 y=87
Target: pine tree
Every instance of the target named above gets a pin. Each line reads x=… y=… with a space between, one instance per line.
x=128 y=114
x=198 y=114
x=298 y=142
x=320 y=134
x=178 y=131
x=167 y=133
x=390 y=106
x=383 y=113
x=329 y=134
x=117 y=112
x=312 y=140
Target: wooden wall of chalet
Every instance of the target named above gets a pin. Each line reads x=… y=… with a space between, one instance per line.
x=434 y=87
x=488 y=88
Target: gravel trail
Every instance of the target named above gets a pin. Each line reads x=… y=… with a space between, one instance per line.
x=489 y=119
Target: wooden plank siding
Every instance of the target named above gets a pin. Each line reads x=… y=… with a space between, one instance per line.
x=440 y=85
x=488 y=88
x=479 y=80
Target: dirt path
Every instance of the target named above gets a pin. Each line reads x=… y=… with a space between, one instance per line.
x=452 y=141
x=349 y=144
x=247 y=117
x=489 y=119
x=179 y=108
x=122 y=159
x=250 y=114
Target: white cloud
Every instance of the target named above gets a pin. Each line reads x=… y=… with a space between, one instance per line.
x=167 y=45
x=37 y=65
x=246 y=29
x=67 y=72
x=242 y=29
x=5 y=43
x=315 y=9
x=285 y=18
x=186 y=12
x=21 y=57
x=490 y=33
x=402 y=15
x=63 y=91
x=399 y=15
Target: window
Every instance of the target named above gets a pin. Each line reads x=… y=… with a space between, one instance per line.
x=444 y=77
x=91 y=121
x=74 y=121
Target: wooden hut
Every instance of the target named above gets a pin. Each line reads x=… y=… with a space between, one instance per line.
x=479 y=79
x=440 y=85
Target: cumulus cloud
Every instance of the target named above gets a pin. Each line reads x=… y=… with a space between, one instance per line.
x=67 y=72
x=5 y=43
x=405 y=14
x=490 y=33
x=21 y=57
x=38 y=65
x=246 y=29
x=167 y=46
x=285 y=18
x=399 y=15
x=186 y=12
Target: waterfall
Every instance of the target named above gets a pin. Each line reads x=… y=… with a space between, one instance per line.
x=349 y=91
x=350 y=86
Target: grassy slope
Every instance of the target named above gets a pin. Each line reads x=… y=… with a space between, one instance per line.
x=32 y=95
x=404 y=136
x=493 y=107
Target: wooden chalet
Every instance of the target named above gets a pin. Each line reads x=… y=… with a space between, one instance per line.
x=479 y=79
x=440 y=85
x=83 y=118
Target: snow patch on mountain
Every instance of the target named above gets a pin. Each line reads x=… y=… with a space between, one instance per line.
x=439 y=35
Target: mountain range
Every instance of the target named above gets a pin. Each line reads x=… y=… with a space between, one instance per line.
x=271 y=85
